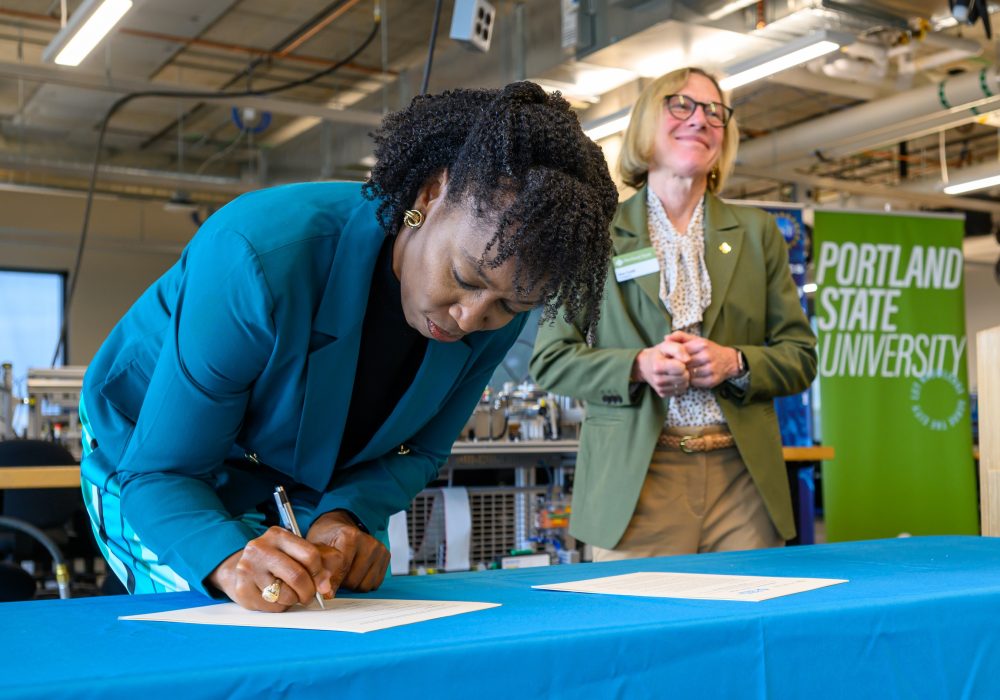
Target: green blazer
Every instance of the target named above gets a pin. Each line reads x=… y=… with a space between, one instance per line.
x=755 y=308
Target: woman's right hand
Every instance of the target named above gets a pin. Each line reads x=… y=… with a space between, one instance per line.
x=275 y=555
x=664 y=368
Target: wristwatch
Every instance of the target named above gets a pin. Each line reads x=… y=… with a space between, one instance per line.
x=741 y=364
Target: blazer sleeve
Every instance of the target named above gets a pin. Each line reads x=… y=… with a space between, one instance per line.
x=563 y=363
x=786 y=364
x=219 y=338
x=376 y=489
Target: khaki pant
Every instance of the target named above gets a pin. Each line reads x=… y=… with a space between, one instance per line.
x=698 y=502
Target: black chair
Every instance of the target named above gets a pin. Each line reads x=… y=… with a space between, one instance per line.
x=58 y=513
x=58 y=562
x=15 y=583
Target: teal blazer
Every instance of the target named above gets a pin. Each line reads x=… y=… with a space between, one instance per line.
x=245 y=351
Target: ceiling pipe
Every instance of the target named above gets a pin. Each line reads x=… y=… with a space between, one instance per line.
x=953 y=49
x=898 y=194
x=847 y=68
x=808 y=80
x=960 y=97
x=970 y=47
x=243 y=49
x=128 y=176
x=891 y=134
x=290 y=42
x=99 y=81
x=957 y=176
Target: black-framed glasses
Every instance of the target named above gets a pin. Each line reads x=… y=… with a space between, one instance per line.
x=682 y=107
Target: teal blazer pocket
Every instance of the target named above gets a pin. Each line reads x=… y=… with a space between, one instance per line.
x=126 y=389
x=318 y=340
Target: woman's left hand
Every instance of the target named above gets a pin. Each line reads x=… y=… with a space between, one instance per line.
x=710 y=364
x=358 y=561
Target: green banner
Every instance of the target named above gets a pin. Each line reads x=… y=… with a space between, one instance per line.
x=894 y=401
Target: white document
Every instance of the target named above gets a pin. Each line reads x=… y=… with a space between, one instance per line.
x=341 y=614
x=656 y=584
x=457 y=528
x=399 y=545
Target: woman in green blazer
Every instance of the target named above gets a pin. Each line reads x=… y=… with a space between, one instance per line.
x=333 y=338
x=701 y=327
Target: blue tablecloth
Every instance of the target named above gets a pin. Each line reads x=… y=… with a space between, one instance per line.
x=920 y=618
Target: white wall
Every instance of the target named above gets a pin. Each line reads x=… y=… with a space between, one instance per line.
x=130 y=244
x=982 y=309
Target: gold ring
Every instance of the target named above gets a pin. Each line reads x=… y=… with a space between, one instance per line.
x=272 y=592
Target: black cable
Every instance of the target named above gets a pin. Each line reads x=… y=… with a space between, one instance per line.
x=430 y=48
x=58 y=560
x=125 y=99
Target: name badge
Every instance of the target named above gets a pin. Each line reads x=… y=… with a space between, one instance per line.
x=635 y=264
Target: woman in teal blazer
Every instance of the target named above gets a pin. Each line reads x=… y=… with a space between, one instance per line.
x=334 y=338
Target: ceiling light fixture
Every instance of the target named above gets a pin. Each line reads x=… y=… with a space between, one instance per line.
x=980 y=184
x=610 y=125
x=784 y=57
x=729 y=8
x=85 y=29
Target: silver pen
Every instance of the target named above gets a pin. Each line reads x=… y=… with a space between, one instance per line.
x=288 y=522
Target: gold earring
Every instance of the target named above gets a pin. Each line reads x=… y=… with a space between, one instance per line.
x=713 y=177
x=414 y=218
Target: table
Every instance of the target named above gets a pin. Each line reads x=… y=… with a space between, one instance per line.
x=814 y=453
x=55 y=477
x=69 y=476
x=465 y=454
x=918 y=619
x=800 y=462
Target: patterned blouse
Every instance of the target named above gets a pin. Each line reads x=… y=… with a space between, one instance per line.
x=686 y=291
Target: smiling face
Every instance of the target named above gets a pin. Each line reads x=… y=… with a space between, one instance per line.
x=446 y=293
x=688 y=148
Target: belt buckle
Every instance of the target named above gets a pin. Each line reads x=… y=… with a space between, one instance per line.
x=683 y=444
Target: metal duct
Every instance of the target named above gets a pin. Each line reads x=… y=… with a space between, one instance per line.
x=130 y=176
x=883 y=121
x=865 y=189
x=957 y=176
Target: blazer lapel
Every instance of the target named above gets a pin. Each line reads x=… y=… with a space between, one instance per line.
x=723 y=245
x=336 y=339
x=632 y=229
x=438 y=374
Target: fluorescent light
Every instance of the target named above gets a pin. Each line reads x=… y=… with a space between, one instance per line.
x=729 y=8
x=584 y=82
x=655 y=65
x=791 y=54
x=597 y=80
x=610 y=125
x=980 y=184
x=85 y=29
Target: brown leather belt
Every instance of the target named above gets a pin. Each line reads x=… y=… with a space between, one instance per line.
x=696 y=443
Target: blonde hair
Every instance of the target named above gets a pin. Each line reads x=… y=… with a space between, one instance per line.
x=637 y=146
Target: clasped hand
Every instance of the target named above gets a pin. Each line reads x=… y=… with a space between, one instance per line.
x=334 y=554
x=684 y=360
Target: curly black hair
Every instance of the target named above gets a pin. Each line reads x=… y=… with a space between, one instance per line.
x=519 y=156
